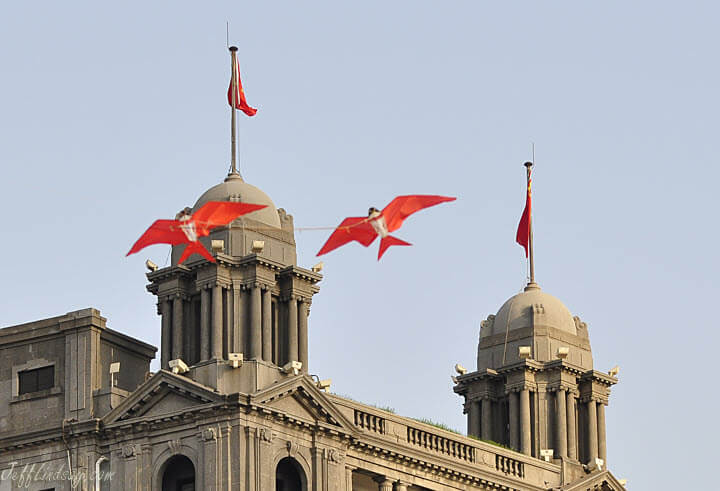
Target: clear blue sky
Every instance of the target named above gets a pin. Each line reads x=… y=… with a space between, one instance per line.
x=114 y=116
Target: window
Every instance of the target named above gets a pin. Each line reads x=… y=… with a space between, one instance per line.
x=36 y=380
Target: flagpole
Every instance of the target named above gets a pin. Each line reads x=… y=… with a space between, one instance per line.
x=528 y=166
x=233 y=143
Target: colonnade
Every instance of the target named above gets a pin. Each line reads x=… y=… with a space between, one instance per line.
x=564 y=439
x=224 y=327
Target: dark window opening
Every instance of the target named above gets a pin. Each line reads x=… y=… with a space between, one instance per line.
x=287 y=476
x=36 y=380
x=179 y=475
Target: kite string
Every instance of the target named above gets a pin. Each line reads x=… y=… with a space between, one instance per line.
x=299 y=229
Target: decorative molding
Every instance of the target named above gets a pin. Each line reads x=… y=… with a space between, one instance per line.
x=175 y=446
x=488 y=323
x=292 y=448
x=266 y=435
x=128 y=451
x=335 y=456
x=208 y=434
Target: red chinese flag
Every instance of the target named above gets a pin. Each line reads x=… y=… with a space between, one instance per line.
x=523 y=231
x=240 y=102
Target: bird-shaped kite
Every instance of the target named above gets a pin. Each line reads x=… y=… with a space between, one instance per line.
x=187 y=228
x=391 y=218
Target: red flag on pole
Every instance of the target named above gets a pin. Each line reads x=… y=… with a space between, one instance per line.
x=240 y=102
x=523 y=231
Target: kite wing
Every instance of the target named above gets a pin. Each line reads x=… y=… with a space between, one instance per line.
x=160 y=232
x=218 y=213
x=403 y=206
x=352 y=228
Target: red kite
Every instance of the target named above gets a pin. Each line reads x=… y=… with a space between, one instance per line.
x=187 y=229
x=391 y=218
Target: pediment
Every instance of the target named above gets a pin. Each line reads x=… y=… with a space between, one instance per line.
x=163 y=394
x=299 y=399
x=599 y=481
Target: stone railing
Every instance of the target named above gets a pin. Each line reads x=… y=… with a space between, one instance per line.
x=369 y=422
x=440 y=444
x=510 y=466
x=443 y=444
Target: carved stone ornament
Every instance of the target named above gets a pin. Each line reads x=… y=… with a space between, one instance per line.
x=266 y=435
x=488 y=459
x=209 y=434
x=335 y=456
x=292 y=448
x=128 y=451
x=175 y=446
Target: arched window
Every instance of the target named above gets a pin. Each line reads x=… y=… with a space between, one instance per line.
x=179 y=474
x=289 y=476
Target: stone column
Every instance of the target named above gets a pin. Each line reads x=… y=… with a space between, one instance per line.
x=228 y=319
x=473 y=412
x=210 y=471
x=217 y=319
x=266 y=325
x=177 y=327
x=130 y=477
x=486 y=423
x=255 y=323
x=401 y=486
x=292 y=329
x=348 y=477
x=514 y=420
x=237 y=318
x=602 y=445
x=592 y=430
x=525 y=440
x=560 y=424
x=166 y=341
x=384 y=484
x=204 y=324
x=571 y=433
x=303 y=334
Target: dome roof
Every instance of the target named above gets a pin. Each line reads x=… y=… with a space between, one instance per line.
x=235 y=188
x=517 y=312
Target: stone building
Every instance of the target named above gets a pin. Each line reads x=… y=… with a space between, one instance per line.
x=233 y=406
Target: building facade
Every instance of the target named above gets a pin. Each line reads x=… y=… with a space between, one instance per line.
x=233 y=406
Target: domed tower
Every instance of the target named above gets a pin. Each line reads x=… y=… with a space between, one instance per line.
x=254 y=300
x=535 y=388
